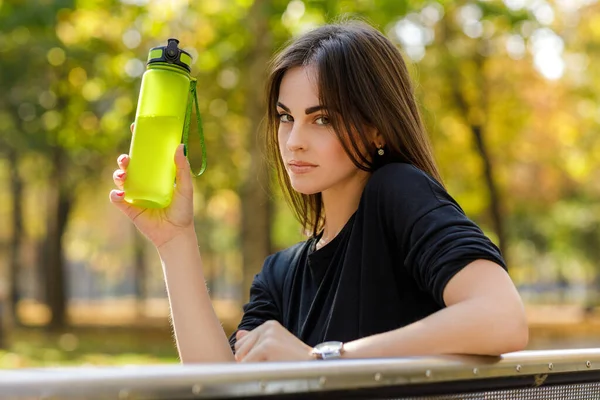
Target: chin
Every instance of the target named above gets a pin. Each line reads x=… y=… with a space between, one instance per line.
x=304 y=188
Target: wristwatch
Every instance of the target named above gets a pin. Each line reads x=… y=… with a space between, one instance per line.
x=328 y=350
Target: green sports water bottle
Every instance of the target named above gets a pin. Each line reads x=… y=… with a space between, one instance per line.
x=163 y=114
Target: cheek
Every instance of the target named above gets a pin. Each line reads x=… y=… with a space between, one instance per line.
x=334 y=151
x=281 y=139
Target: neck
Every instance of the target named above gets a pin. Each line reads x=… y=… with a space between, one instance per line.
x=339 y=204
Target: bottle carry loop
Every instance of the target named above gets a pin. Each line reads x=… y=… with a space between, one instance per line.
x=187 y=123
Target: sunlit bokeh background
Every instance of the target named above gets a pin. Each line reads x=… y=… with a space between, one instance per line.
x=509 y=91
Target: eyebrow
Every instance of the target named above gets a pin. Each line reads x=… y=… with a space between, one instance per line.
x=308 y=111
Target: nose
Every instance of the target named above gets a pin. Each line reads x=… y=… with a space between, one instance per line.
x=296 y=140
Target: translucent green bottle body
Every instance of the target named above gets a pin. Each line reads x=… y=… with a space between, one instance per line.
x=158 y=128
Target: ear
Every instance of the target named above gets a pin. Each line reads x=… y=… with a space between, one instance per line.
x=378 y=139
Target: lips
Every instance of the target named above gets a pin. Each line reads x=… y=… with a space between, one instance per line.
x=300 y=167
x=300 y=164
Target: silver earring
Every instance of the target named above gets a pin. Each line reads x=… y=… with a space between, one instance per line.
x=380 y=151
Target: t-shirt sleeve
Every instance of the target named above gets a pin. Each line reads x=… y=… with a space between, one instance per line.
x=435 y=237
x=262 y=306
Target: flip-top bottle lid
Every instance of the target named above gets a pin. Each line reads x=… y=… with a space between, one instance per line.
x=171 y=54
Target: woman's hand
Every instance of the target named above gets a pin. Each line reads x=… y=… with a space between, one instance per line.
x=159 y=225
x=270 y=342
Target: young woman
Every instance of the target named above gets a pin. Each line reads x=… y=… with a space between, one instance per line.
x=392 y=266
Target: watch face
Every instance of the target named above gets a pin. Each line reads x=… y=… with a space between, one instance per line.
x=329 y=350
x=329 y=347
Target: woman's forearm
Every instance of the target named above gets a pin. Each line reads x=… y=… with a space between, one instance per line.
x=470 y=327
x=198 y=331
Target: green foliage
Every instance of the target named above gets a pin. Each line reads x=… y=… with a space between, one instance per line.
x=30 y=348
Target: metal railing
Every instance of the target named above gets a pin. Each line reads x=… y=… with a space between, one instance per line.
x=557 y=374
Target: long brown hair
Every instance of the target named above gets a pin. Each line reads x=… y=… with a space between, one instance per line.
x=364 y=84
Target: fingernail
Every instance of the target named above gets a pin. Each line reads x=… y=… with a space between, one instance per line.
x=120 y=175
x=120 y=193
x=185 y=150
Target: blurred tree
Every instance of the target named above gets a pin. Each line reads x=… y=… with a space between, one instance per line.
x=22 y=79
x=465 y=42
x=256 y=207
x=53 y=74
x=516 y=138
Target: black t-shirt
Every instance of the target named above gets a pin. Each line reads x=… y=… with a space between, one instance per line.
x=387 y=268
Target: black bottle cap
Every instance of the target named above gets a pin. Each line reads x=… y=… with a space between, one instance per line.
x=171 y=54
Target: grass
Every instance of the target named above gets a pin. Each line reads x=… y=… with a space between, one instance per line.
x=28 y=348
x=107 y=332
x=117 y=342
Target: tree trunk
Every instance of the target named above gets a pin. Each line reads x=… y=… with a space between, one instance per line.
x=495 y=200
x=256 y=204
x=15 y=260
x=59 y=206
x=477 y=130
x=140 y=268
x=494 y=196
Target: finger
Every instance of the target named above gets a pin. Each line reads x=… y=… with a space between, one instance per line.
x=183 y=179
x=117 y=197
x=240 y=338
x=132 y=127
x=123 y=161
x=239 y=343
x=256 y=354
x=241 y=333
x=119 y=178
x=246 y=345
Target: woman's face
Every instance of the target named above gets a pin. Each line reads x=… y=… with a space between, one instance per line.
x=311 y=151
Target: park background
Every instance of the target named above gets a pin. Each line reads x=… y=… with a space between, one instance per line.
x=508 y=90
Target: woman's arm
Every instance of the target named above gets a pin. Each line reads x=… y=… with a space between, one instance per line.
x=198 y=332
x=484 y=315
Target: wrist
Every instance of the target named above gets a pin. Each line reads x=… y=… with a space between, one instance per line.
x=183 y=240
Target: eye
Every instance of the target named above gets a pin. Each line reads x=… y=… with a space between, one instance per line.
x=322 y=120
x=285 y=118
